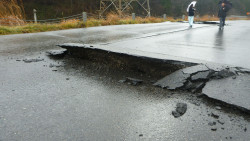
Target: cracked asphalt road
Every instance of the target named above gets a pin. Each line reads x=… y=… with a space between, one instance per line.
x=76 y=101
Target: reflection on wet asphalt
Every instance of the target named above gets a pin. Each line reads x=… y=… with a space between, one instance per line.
x=74 y=99
x=219 y=40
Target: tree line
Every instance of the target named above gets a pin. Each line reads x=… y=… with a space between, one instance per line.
x=175 y=8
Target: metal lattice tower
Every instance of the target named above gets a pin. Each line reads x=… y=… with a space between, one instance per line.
x=122 y=5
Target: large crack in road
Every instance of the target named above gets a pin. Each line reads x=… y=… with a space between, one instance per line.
x=110 y=96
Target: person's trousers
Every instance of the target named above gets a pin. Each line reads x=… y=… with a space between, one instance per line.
x=191 y=20
x=222 y=21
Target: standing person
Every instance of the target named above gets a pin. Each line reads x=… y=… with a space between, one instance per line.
x=224 y=7
x=191 y=11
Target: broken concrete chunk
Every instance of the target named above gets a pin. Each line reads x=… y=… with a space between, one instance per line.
x=181 y=109
x=195 y=69
x=194 y=86
x=201 y=76
x=32 y=60
x=189 y=85
x=198 y=87
x=226 y=73
x=216 y=67
x=231 y=91
x=245 y=70
x=173 y=81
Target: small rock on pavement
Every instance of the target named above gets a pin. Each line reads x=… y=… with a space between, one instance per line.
x=133 y=81
x=218 y=108
x=122 y=81
x=57 y=53
x=180 y=110
x=221 y=122
x=212 y=123
x=54 y=65
x=215 y=115
x=141 y=135
x=67 y=78
x=214 y=129
x=32 y=60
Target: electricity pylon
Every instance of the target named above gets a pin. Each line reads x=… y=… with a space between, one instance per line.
x=121 y=6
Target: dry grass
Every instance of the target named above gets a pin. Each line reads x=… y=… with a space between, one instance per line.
x=11 y=8
x=11 y=21
x=207 y=18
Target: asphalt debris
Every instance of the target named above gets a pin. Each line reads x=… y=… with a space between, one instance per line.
x=221 y=122
x=54 y=65
x=57 y=53
x=28 y=60
x=180 y=110
x=234 y=92
x=201 y=76
x=214 y=129
x=218 y=108
x=225 y=84
x=122 y=81
x=133 y=81
x=212 y=123
x=173 y=81
x=215 y=115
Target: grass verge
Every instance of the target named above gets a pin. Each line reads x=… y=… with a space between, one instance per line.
x=70 y=24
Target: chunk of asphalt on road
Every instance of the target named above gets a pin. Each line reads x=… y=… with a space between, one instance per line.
x=173 y=81
x=234 y=92
x=133 y=81
x=215 y=115
x=57 y=53
x=122 y=81
x=181 y=77
x=214 y=129
x=180 y=110
x=221 y=122
x=28 y=60
x=210 y=87
x=212 y=123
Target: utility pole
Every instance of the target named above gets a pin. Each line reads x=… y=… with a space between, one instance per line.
x=120 y=8
x=149 y=14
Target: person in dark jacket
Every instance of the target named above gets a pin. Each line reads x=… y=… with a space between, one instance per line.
x=191 y=11
x=224 y=7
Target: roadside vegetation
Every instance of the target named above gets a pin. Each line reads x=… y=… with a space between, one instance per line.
x=19 y=26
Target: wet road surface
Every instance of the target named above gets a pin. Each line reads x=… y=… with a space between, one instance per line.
x=201 y=45
x=77 y=101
